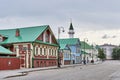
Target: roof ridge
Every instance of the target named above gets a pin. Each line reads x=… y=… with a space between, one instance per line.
x=25 y=27
x=26 y=34
x=69 y=38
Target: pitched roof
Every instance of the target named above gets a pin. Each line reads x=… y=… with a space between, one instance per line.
x=5 y=51
x=83 y=52
x=62 y=46
x=70 y=41
x=97 y=46
x=27 y=34
x=85 y=45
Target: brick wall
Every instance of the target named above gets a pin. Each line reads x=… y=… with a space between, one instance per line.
x=44 y=62
x=9 y=63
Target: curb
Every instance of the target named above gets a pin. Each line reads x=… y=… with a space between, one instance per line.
x=21 y=74
x=24 y=73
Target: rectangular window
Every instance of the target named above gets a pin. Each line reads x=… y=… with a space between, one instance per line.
x=55 y=53
x=44 y=51
x=36 y=51
x=40 y=51
x=52 y=52
x=49 y=51
x=78 y=50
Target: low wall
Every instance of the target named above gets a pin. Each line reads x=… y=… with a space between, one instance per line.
x=44 y=62
x=9 y=63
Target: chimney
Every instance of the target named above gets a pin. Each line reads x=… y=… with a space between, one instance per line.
x=17 y=33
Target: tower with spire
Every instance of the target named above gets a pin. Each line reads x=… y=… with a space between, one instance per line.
x=71 y=31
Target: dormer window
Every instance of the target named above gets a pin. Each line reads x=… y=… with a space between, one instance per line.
x=1 y=39
x=47 y=38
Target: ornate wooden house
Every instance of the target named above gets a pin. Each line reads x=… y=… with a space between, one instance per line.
x=35 y=46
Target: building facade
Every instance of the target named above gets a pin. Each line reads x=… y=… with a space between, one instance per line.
x=89 y=52
x=108 y=49
x=66 y=54
x=74 y=46
x=35 y=46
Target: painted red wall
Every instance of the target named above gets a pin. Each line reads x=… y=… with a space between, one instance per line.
x=9 y=63
x=67 y=62
x=44 y=62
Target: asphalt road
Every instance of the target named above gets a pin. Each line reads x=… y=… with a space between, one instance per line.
x=86 y=72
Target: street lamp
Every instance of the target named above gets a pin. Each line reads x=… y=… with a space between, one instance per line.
x=93 y=44
x=59 y=29
x=84 y=60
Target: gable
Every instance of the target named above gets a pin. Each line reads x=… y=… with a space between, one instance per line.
x=73 y=43
x=47 y=36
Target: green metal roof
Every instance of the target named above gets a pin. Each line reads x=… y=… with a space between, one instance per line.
x=70 y=41
x=85 y=45
x=62 y=46
x=46 y=43
x=5 y=51
x=83 y=52
x=97 y=46
x=27 y=34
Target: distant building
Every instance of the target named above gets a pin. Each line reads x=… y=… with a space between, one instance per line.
x=88 y=52
x=108 y=49
x=74 y=45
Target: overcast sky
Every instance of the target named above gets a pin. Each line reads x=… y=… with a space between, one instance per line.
x=97 y=20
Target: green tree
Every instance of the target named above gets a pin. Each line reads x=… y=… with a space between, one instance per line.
x=101 y=54
x=116 y=54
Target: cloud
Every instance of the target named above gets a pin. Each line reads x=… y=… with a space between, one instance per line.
x=105 y=36
x=97 y=20
x=84 y=12
x=114 y=36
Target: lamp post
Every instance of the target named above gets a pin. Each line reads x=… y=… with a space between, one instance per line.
x=59 y=29
x=84 y=58
x=93 y=44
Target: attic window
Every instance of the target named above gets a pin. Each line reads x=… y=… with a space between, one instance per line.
x=1 y=39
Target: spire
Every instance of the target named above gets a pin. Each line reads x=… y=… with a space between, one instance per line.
x=71 y=26
x=71 y=31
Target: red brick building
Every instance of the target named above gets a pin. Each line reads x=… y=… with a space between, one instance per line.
x=35 y=46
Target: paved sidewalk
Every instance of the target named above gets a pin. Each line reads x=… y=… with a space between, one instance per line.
x=22 y=72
